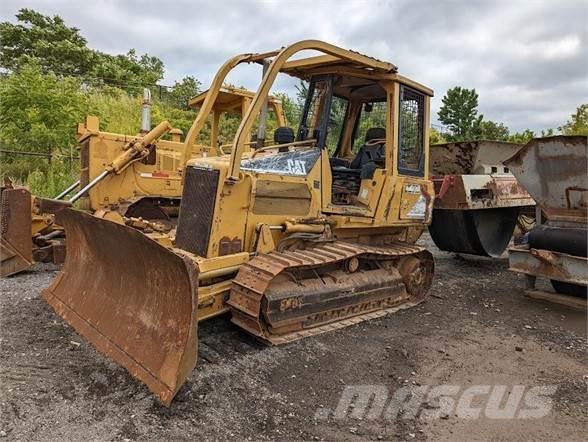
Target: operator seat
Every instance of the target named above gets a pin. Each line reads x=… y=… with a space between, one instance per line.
x=369 y=157
x=371 y=153
x=283 y=135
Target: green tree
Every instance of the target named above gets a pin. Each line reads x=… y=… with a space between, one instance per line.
x=182 y=91
x=436 y=137
x=490 y=130
x=62 y=50
x=292 y=110
x=39 y=112
x=301 y=93
x=522 y=137
x=56 y=47
x=459 y=112
x=178 y=118
x=527 y=135
x=127 y=71
x=578 y=122
x=118 y=111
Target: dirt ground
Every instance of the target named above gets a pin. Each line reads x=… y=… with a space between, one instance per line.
x=476 y=329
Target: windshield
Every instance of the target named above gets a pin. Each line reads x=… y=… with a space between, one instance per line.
x=314 y=122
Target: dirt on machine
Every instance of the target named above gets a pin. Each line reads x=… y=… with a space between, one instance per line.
x=310 y=234
x=478 y=200
x=134 y=179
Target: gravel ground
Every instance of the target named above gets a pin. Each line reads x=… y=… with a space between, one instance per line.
x=476 y=329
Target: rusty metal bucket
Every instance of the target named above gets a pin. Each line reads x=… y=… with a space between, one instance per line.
x=16 y=244
x=554 y=170
x=132 y=298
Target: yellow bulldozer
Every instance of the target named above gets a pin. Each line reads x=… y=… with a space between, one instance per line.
x=121 y=176
x=305 y=236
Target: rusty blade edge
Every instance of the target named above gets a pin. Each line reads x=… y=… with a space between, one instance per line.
x=109 y=349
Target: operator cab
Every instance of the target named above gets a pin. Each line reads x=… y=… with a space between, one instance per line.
x=350 y=118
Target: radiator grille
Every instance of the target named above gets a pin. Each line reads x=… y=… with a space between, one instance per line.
x=197 y=210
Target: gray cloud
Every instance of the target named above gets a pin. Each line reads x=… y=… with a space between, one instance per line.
x=526 y=59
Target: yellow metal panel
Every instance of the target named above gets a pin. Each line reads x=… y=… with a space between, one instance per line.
x=281 y=198
x=230 y=212
x=161 y=179
x=211 y=299
x=390 y=131
x=276 y=219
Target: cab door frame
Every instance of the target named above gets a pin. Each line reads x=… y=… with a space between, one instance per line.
x=371 y=190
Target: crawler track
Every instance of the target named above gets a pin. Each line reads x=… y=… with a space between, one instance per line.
x=266 y=290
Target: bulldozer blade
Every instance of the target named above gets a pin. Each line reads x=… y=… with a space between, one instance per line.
x=131 y=298
x=16 y=244
x=483 y=232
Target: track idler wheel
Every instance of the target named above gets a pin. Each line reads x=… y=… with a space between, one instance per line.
x=417 y=274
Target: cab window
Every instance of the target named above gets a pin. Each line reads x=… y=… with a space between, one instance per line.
x=411 y=132
x=373 y=114
x=336 y=122
x=314 y=123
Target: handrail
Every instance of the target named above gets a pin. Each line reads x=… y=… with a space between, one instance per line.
x=208 y=103
x=281 y=56
x=277 y=146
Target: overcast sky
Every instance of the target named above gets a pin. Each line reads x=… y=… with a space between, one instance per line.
x=528 y=60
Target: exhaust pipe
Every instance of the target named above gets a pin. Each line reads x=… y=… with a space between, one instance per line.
x=146 y=112
x=145 y=128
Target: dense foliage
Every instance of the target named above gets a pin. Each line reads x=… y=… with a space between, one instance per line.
x=62 y=50
x=53 y=80
x=578 y=122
